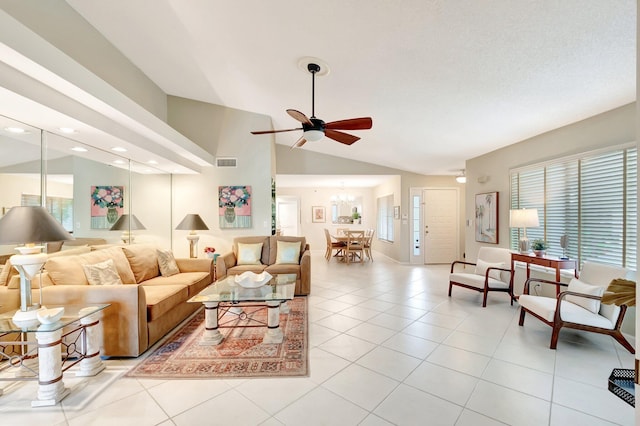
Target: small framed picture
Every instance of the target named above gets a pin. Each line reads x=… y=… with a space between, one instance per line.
x=317 y=214
x=396 y=212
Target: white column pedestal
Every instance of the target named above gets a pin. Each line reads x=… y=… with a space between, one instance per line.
x=91 y=364
x=212 y=335
x=51 y=389
x=284 y=308
x=274 y=332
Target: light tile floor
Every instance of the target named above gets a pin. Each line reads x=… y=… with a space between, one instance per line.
x=387 y=346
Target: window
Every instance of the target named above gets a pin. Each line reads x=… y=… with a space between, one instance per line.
x=590 y=198
x=59 y=207
x=385 y=218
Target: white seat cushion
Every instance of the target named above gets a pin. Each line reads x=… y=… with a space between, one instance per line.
x=545 y=307
x=475 y=280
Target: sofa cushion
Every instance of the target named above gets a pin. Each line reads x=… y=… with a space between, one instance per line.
x=162 y=298
x=249 y=254
x=273 y=250
x=288 y=253
x=65 y=270
x=283 y=269
x=143 y=260
x=239 y=269
x=482 y=266
x=264 y=258
x=102 y=273
x=196 y=281
x=167 y=263
x=578 y=286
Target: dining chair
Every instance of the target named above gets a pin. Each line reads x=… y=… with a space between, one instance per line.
x=368 y=237
x=355 y=246
x=579 y=305
x=338 y=246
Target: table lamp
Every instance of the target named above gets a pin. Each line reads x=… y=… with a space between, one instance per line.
x=192 y=222
x=523 y=218
x=29 y=225
x=127 y=223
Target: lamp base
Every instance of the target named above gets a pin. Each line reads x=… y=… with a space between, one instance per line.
x=523 y=246
x=30 y=316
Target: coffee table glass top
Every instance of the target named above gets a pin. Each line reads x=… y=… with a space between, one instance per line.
x=280 y=288
x=72 y=313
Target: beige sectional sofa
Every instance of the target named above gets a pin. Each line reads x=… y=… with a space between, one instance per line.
x=143 y=309
x=269 y=261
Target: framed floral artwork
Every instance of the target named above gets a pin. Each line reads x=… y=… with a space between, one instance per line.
x=234 y=206
x=317 y=214
x=107 y=205
x=487 y=217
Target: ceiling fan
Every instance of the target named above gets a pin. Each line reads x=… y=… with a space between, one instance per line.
x=314 y=129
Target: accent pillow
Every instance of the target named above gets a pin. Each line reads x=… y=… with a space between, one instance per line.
x=167 y=263
x=482 y=266
x=579 y=287
x=288 y=253
x=102 y=273
x=249 y=254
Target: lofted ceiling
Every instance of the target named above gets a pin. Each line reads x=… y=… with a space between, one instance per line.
x=443 y=80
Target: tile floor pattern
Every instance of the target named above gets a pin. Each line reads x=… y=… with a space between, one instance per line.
x=387 y=346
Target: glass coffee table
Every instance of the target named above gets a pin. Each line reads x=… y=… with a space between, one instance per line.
x=225 y=296
x=43 y=359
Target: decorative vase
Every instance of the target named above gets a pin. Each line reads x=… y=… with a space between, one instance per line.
x=211 y=255
x=112 y=215
x=539 y=253
x=230 y=214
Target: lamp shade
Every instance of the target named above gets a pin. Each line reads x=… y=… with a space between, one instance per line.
x=192 y=222
x=30 y=224
x=523 y=218
x=127 y=222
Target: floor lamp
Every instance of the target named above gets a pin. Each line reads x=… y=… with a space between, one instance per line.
x=523 y=218
x=29 y=225
x=193 y=223
x=127 y=223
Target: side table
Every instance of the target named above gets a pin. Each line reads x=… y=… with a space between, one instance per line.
x=549 y=262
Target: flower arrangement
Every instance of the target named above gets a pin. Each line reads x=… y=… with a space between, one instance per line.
x=209 y=250
x=234 y=196
x=107 y=196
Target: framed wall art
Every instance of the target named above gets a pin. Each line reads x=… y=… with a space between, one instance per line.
x=107 y=205
x=234 y=206
x=318 y=214
x=486 y=229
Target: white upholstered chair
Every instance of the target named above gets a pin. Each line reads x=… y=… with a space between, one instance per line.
x=492 y=272
x=578 y=305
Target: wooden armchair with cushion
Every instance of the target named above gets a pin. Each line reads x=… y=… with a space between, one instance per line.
x=579 y=306
x=491 y=273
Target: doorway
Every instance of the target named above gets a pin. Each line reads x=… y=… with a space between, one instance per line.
x=441 y=225
x=288 y=215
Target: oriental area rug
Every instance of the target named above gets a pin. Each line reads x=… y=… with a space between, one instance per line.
x=241 y=353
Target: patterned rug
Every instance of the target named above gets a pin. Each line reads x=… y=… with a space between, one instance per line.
x=241 y=353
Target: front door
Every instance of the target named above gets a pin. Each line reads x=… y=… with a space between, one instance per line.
x=441 y=239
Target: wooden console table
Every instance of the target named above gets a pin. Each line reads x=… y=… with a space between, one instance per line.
x=549 y=262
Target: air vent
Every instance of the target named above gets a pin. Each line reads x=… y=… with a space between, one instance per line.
x=227 y=162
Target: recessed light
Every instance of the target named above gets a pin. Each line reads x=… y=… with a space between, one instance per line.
x=18 y=130
x=67 y=130
x=119 y=161
x=119 y=149
x=152 y=162
x=79 y=149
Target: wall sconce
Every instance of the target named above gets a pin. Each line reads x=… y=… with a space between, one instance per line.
x=461 y=178
x=193 y=223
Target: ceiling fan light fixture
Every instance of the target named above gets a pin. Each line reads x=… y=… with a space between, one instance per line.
x=462 y=178
x=313 y=135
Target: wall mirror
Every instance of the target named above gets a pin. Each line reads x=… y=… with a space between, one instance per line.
x=344 y=209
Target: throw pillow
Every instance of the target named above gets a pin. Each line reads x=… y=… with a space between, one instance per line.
x=580 y=287
x=102 y=273
x=167 y=263
x=482 y=266
x=249 y=254
x=288 y=253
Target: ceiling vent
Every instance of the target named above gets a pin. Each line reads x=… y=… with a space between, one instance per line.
x=227 y=162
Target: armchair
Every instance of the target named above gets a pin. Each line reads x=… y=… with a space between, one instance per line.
x=491 y=273
x=579 y=306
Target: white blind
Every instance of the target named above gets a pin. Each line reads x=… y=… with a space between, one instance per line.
x=591 y=199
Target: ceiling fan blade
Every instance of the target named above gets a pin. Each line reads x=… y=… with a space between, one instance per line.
x=344 y=138
x=362 y=123
x=262 y=132
x=299 y=142
x=299 y=116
